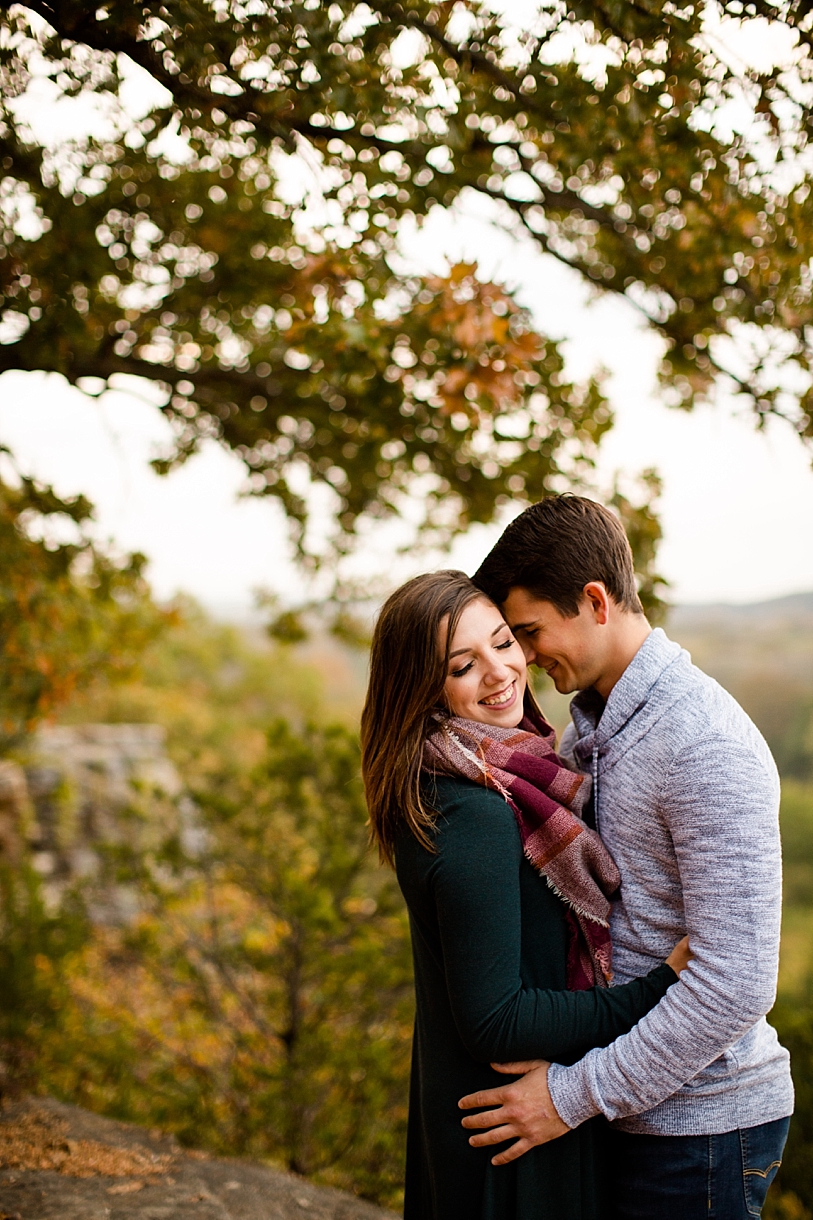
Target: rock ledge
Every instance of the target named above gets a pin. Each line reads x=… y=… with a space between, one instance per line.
x=58 y=1161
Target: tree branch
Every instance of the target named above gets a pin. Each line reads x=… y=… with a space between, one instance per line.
x=520 y=207
x=478 y=59
x=104 y=365
x=252 y=105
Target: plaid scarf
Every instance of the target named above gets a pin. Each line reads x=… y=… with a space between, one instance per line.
x=547 y=799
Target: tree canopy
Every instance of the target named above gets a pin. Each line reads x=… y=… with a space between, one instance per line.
x=224 y=221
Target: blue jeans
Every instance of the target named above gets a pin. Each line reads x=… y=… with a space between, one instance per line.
x=694 y=1177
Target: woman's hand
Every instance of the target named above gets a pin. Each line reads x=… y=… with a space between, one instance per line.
x=680 y=956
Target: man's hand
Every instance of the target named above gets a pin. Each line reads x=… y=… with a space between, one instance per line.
x=525 y=1111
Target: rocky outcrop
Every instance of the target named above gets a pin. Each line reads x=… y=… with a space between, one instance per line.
x=90 y=794
x=58 y=1162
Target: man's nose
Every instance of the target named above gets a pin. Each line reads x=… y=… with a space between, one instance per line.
x=528 y=651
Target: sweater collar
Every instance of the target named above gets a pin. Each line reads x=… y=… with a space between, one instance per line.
x=599 y=721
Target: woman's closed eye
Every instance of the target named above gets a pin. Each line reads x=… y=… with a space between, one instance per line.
x=464 y=669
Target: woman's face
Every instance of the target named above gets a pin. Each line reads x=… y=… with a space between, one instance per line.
x=486 y=676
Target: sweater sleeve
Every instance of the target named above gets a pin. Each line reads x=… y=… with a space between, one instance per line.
x=720 y=802
x=475 y=881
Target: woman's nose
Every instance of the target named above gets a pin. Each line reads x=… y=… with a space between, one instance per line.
x=497 y=673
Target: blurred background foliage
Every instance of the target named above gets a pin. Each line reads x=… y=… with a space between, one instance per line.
x=258 y=999
x=261 y=1002
x=68 y=609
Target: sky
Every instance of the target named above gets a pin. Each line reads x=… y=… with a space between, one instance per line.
x=737 y=507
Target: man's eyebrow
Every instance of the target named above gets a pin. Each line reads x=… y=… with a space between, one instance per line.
x=458 y=651
x=523 y=626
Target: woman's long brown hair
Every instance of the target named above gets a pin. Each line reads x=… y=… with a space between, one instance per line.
x=408 y=669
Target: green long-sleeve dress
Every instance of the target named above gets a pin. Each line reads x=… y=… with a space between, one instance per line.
x=489 y=941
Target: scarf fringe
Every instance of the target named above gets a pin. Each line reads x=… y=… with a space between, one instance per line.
x=603 y=923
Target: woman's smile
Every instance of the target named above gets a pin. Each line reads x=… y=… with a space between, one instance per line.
x=503 y=698
x=486 y=674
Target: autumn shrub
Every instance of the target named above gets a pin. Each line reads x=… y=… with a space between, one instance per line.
x=35 y=946
x=261 y=1003
x=791 y=1197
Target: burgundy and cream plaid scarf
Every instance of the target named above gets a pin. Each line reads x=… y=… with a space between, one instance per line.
x=546 y=798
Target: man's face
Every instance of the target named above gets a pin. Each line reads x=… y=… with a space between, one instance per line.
x=570 y=650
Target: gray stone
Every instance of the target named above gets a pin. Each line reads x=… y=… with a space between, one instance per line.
x=194 y=1185
x=94 y=789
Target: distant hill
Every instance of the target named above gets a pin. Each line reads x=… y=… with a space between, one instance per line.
x=794 y=610
x=761 y=652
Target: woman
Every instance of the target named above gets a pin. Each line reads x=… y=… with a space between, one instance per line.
x=472 y=809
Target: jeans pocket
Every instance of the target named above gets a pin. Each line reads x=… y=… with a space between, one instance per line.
x=762 y=1149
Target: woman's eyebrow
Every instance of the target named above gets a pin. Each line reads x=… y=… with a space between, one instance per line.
x=458 y=651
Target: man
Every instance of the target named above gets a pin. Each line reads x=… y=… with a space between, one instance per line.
x=685 y=795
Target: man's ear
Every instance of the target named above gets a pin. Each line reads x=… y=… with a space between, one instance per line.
x=598 y=602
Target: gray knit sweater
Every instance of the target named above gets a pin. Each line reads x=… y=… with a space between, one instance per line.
x=687 y=801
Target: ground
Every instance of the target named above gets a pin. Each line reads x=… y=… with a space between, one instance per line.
x=59 y=1161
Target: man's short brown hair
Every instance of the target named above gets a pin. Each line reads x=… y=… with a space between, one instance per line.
x=555 y=548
